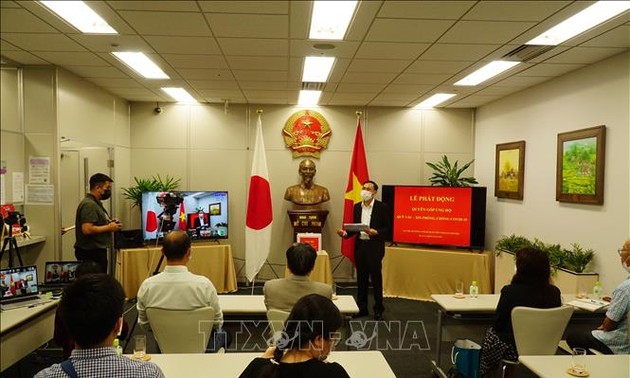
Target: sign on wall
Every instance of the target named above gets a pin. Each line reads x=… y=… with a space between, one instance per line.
x=306 y=133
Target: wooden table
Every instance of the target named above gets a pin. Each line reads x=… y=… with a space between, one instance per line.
x=255 y=304
x=213 y=261
x=357 y=364
x=321 y=271
x=24 y=329
x=469 y=314
x=598 y=366
x=416 y=273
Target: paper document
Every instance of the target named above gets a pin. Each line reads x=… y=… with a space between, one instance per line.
x=355 y=227
x=589 y=304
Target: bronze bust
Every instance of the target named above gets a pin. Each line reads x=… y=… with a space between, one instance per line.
x=307 y=193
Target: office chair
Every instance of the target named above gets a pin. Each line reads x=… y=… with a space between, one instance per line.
x=181 y=331
x=276 y=320
x=537 y=331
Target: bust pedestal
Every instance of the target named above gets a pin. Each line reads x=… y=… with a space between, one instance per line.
x=310 y=220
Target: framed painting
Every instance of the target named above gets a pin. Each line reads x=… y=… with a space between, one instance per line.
x=580 y=166
x=215 y=209
x=509 y=170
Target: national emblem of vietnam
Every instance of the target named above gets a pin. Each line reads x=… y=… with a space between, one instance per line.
x=306 y=133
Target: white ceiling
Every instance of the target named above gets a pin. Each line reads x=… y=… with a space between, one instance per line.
x=396 y=53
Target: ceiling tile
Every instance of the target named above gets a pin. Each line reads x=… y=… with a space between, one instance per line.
x=458 y=52
x=213 y=84
x=116 y=83
x=22 y=21
x=23 y=57
x=368 y=77
x=398 y=30
x=108 y=43
x=175 y=6
x=6 y=46
x=442 y=10
x=249 y=25
x=42 y=42
x=195 y=61
x=261 y=75
x=63 y=58
x=386 y=102
x=261 y=63
x=263 y=47
x=410 y=78
x=617 y=37
x=550 y=70
x=263 y=94
x=205 y=74
x=183 y=45
x=391 y=50
x=408 y=88
x=221 y=93
x=8 y=4
x=360 y=87
x=167 y=23
x=130 y=91
x=100 y=72
x=485 y=32
x=401 y=97
x=586 y=55
x=522 y=81
x=378 y=65
x=514 y=10
x=438 y=66
x=254 y=7
x=270 y=85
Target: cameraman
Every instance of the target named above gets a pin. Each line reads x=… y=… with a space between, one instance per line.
x=93 y=225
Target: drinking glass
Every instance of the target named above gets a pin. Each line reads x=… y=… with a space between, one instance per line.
x=334 y=289
x=459 y=288
x=579 y=360
x=139 y=346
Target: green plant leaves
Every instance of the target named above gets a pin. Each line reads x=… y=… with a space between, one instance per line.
x=445 y=174
x=154 y=184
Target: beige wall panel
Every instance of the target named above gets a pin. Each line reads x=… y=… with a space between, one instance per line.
x=122 y=131
x=210 y=127
x=122 y=173
x=167 y=130
x=146 y=163
x=596 y=95
x=448 y=131
x=39 y=100
x=396 y=168
x=394 y=129
x=9 y=100
x=12 y=145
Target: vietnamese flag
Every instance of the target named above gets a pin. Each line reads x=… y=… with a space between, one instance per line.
x=182 y=217
x=357 y=176
x=259 y=218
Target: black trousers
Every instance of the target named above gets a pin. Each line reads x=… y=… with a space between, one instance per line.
x=369 y=268
x=588 y=341
x=98 y=255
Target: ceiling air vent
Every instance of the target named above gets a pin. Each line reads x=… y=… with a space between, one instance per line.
x=525 y=53
x=309 y=86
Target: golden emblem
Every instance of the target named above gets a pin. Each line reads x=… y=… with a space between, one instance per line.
x=306 y=133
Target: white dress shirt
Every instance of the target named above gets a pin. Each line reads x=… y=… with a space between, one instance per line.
x=366 y=217
x=177 y=289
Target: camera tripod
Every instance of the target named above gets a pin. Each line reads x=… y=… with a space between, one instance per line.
x=10 y=242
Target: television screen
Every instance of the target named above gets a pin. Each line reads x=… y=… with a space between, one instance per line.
x=434 y=215
x=203 y=214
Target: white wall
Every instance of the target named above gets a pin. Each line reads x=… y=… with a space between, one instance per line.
x=210 y=150
x=596 y=95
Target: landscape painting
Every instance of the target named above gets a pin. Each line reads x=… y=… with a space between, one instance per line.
x=510 y=170
x=580 y=171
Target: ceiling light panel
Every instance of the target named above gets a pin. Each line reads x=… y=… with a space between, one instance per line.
x=317 y=68
x=434 y=100
x=486 y=72
x=330 y=19
x=79 y=15
x=309 y=98
x=180 y=95
x=140 y=63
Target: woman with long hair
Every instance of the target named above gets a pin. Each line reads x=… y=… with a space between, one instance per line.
x=530 y=287
x=307 y=339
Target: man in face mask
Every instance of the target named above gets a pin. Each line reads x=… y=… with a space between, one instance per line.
x=93 y=224
x=611 y=337
x=369 y=247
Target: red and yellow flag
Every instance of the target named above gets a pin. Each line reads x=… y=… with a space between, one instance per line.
x=182 y=217
x=357 y=176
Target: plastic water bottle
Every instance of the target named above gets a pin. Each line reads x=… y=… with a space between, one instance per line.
x=119 y=350
x=474 y=289
x=597 y=290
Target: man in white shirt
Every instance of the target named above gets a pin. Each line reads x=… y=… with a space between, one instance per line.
x=178 y=289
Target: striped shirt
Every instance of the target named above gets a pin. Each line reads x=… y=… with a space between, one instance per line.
x=103 y=363
x=617 y=339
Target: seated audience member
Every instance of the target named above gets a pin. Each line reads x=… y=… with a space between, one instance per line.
x=91 y=312
x=611 y=337
x=282 y=293
x=530 y=287
x=61 y=336
x=308 y=337
x=178 y=289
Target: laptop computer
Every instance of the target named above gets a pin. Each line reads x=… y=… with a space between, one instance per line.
x=18 y=287
x=58 y=275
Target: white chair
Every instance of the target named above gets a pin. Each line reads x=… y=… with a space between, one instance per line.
x=276 y=320
x=181 y=331
x=537 y=331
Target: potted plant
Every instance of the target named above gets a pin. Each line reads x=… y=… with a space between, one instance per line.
x=445 y=174
x=154 y=184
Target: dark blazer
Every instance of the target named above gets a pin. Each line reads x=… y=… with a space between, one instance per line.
x=380 y=221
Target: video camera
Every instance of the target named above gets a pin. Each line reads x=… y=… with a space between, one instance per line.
x=169 y=201
x=16 y=223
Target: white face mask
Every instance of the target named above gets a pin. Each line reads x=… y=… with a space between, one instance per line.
x=366 y=195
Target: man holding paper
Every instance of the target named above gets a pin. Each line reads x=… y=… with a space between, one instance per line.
x=372 y=224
